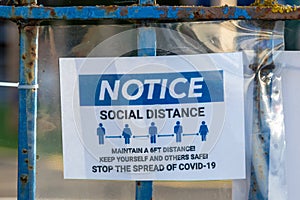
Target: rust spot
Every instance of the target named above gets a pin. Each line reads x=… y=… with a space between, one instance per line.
x=30 y=64
x=32 y=52
x=79 y=7
x=52 y=13
x=209 y=13
x=124 y=11
x=266 y=153
x=262 y=138
x=24 y=179
x=24 y=151
x=30 y=31
x=138 y=183
x=254 y=186
x=241 y=17
x=164 y=10
x=37 y=157
x=111 y=8
x=197 y=15
x=30 y=167
x=26 y=161
x=183 y=14
x=30 y=77
x=30 y=55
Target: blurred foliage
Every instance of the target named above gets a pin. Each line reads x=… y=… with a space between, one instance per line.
x=8 y=127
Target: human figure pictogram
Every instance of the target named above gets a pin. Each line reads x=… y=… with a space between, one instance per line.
x=127 y=134
x=178 y=131
x=101 y=133
x=203 y=130
x=152 y=133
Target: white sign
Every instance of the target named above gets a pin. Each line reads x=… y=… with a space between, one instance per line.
x=153 y=118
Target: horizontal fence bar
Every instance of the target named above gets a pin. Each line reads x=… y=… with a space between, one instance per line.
x=192 y=13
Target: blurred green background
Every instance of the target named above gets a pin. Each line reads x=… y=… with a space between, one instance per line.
x=8 y=136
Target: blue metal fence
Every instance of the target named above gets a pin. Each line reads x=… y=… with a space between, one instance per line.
x=28 y=15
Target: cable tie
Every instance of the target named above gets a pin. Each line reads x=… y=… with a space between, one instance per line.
x=8 y=84
x=17 y=85
x=28 y=87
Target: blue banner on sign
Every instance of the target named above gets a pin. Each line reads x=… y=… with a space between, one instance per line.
x=151 y=89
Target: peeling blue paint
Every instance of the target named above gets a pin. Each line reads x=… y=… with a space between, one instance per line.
x=225 y=10
x=144 y=190
x=241 y=14
x=142 y=12
x=27 y=113
x=202 y=12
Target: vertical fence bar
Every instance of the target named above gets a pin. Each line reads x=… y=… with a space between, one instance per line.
x=146 y=47
x=259 y=182
x=262 y=105
x=27 y=112
x=146 y=41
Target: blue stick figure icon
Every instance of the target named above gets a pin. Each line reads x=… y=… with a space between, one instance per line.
x=127 y=134
x=101 y=133
x=152 y=133
x=203 y=130
x=178 y=131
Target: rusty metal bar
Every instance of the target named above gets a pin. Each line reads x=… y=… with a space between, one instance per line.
x=259 y=184
x=262 y=105
x=27 y=112
x=144 y=190
x=187 y=13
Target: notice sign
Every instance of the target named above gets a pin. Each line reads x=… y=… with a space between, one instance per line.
x=153 y=118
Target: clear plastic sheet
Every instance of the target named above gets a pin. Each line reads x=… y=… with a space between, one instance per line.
x=265 y=137
x=263 y=106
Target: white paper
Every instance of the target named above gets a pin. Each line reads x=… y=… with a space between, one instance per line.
x=161 y=102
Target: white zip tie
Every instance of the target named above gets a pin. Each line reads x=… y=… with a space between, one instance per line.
x=17 y=85
x=8 y=84
x=28 y=87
